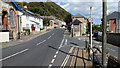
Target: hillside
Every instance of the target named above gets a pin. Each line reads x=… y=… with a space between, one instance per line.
x=47 y=9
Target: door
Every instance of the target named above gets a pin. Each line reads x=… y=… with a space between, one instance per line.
x=4 y=20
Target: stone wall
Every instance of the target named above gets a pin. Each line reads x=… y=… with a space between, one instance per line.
x=112 y=38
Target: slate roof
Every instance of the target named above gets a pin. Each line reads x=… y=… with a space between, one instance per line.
x=79 y=16
x=30 y=13
x=76 y=22
x=114 y=15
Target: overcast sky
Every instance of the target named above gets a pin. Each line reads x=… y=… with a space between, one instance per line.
x=83 y=7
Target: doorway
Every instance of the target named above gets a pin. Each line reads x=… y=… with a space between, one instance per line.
x=4 y=20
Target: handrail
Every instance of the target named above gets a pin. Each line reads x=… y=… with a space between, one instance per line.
x=94 y=55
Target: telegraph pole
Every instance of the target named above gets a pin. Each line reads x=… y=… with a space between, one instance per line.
x=104 y=39
x=91 y=30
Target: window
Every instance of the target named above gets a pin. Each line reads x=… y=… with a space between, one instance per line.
x=27 y=25
x=12 y=16
x=27 y=17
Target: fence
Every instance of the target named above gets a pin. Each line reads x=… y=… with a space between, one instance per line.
x=112 y=38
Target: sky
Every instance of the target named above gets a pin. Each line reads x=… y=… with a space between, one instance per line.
x=83 y=7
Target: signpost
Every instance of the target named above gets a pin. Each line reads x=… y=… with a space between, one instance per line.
x=90 y=20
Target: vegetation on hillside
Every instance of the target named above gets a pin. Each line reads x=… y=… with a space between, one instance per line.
x=47 y=9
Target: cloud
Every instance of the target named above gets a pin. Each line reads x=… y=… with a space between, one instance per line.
x=84 y=9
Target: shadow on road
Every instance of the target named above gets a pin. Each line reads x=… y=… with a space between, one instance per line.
x=71 y=54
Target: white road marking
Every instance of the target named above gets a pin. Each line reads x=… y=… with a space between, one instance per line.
x=66 y=42
x=50 y=66
x=62 y=42
x=14 y=55
x=59 y=47
x=52 y=60
x=55 y=56
x=41 y=42
x=49 y=37
x=57 y=52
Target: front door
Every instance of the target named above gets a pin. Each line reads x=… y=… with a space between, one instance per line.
x=4 y=21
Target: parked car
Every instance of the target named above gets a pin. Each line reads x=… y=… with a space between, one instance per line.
x=95 y=34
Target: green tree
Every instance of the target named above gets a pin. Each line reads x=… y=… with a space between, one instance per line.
x=46 y=21
x=68 y=19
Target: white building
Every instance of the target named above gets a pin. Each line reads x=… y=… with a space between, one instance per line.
x=31 y=21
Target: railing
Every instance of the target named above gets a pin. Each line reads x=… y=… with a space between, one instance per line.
x=93 y=56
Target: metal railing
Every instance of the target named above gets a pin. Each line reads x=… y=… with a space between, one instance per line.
x=94 y=58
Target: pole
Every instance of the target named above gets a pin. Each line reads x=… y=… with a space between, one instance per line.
x=104 y=23
x=91 y=30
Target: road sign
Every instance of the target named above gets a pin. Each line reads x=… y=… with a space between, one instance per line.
x=90 y=19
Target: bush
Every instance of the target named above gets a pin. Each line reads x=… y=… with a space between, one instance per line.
x=27 y=31
x=48 y=29
x=41 y=28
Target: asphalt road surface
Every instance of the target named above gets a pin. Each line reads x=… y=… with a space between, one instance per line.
x=47 y=50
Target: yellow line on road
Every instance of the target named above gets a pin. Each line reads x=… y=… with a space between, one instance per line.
x=66 y=59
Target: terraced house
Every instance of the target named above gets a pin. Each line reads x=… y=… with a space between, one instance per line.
x=30 y=21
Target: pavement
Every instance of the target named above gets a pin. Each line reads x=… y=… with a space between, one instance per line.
x=22 y=40
x=113 y=50
x=80 y=59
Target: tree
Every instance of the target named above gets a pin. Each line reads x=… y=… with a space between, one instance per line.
x=68 y=19
x=46 y=21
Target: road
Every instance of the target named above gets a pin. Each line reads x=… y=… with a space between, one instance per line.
x=113 y=50
x=50 y=49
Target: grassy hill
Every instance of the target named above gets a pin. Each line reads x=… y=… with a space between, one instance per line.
x=47 y=9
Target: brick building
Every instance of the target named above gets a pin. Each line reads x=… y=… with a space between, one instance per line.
x=9 y=17
x=113 y=21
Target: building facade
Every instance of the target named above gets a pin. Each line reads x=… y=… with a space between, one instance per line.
x=83 y=20
x=31 y=21
x=9 y=17
x=113 y=21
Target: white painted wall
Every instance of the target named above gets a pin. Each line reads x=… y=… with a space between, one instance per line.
x=4 y=36
x=27 y=21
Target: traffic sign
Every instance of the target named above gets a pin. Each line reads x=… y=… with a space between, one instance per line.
x=90 y=19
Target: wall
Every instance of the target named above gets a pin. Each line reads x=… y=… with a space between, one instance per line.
x=112 y=38
x=4 y=36
x=112 y=26
x=84 y=24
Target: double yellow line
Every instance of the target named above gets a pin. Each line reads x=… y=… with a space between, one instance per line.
x=66 y=59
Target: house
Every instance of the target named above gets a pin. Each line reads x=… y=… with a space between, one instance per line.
x=31 y=21
x=81 y=19
x=113 y=21
x=54 y=20
x=9 y=18
x=77 y=29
